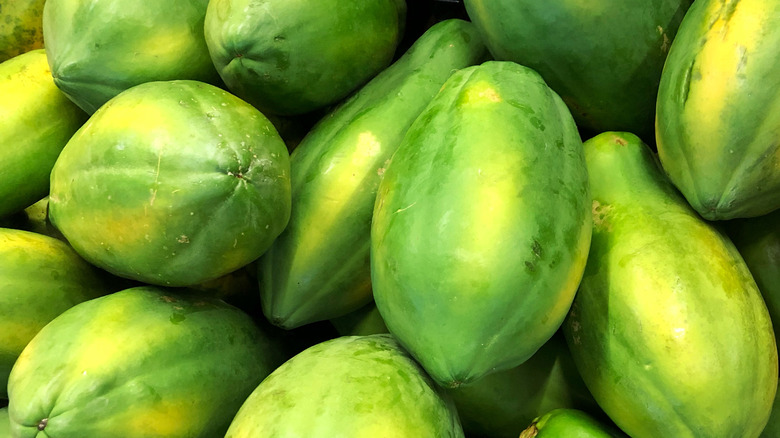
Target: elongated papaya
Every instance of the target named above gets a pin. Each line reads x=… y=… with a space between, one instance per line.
x=668 y=322
x=718 y=109
x=481 y=224
x=335 y=173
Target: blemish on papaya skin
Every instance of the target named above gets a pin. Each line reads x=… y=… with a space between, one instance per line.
x=620 y=141
x=600 y=215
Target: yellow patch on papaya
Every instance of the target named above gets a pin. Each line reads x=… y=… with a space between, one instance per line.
x=481 y=92
x=724 y=59
x=167 y=417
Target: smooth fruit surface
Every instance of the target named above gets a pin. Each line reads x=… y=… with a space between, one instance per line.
x=172 y=183
x=353 y=386
x=36 y=121
x=718 y=112
x=481 y=224
x=294 y=56
x=604 y=58
x=335 y=173
x=99 y=48
x=569 y=423
x=143 y=362
x=40 y=277
x=668 y=322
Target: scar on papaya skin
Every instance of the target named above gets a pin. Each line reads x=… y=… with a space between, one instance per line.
x=600 y=213
x=620 y=141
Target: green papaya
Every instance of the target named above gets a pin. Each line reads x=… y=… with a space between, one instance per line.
x=98 y=48
x=172 y=183
x=718 y=109
x=21 y=27
x=335 y=173
x=758 y=242
x=502 y=404
x=348 y=387
x=290 y=57
x=481 y=224
x=143 y=362
x=36 y=121
x=569 y=423
x=667 y=322
x=40 y=277
x=604 y=58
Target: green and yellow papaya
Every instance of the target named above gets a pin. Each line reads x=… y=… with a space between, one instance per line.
x=172 y=183
x=40 y=277
x=99 y=48
x=668 y=322
x=21 y=27
x=143 y=362
x=481 y=224
x=36 y=121
x=349 y=387
x=718 y=110
x=335 y=173
x=290 y=57
x=604 y=58
x=5 y=423
x=569 y=423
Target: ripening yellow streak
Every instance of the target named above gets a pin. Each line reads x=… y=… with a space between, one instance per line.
x=167 y=417
x=338 y=185
x=723 y=60
x=480 y=92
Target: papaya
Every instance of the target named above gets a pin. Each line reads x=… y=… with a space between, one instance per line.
x=504 y=403
x=40 y=277
x=361 y=322
x=291 y=57
x=718 y=109
x=604 y=58
x=98 y=48
x=335 y=173
x=758 y=242
x=481 y=224
x=348 y=387
x=668 y=321
x=142 y=362
x=569 y=423
x=21 y=27
x=36 y=122
x=172 y=183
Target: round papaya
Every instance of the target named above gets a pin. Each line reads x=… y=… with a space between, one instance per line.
x=290 y=57
x=98 y=48
x=348 y=387
x=172 y=183
x=142 y=362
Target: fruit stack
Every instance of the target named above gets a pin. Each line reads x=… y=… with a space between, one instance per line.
x=351 y=218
